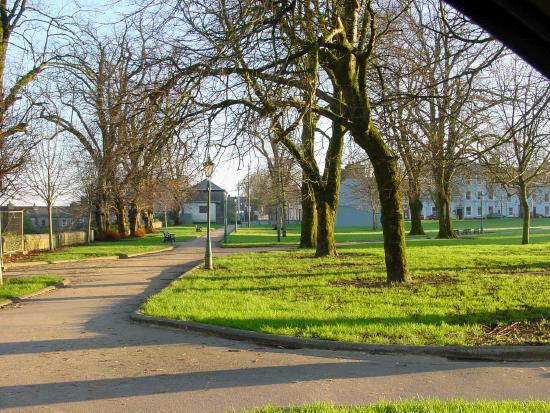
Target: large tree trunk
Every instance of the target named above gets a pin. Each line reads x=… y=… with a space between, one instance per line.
x=176 y=215
x=443 y=204
x=120 y=212
x=387 y=180
x=415 y=206
x=147 y=215
x=308 y=234
x=326 y=244
x=133 y=213
x=51 y=245
x=101 y=212
x=524 y=201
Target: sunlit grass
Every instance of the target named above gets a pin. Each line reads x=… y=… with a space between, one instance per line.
x=462 y=290
x=16 y=287
x=419 y=406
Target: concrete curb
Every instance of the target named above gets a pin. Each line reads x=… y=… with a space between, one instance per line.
x=61 y=284
x=107 y=257
x=494 y=353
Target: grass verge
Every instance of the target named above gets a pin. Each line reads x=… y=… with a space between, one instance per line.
x=420 y=406
x=465 y=292
x=16 y=287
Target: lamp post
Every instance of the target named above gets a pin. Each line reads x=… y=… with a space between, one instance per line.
x=208 y=171
x=225 y=217
x=237 y=207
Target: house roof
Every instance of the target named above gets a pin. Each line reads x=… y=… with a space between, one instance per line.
x=203 y=186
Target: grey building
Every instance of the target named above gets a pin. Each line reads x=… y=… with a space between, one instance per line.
x=353 y=209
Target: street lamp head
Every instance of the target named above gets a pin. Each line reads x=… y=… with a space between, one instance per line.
x=208 y=167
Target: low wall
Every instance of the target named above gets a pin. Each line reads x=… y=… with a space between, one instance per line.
x=38 y=242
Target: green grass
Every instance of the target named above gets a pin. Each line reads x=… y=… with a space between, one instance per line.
x=419 y=406
x=148 y=243
x=265 y=235
x=465 y=292
x=16 y=287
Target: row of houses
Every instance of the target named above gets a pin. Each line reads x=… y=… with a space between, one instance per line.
x=472 y=198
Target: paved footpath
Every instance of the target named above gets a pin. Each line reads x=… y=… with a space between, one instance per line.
x=75 y=350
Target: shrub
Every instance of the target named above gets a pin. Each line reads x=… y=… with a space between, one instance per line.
x=110 y=235
x=140 y=232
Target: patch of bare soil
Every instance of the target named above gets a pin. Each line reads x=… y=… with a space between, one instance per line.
x=534 y=332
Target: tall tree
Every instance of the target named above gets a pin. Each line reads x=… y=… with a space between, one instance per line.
x=522 y=117
x=47 y=177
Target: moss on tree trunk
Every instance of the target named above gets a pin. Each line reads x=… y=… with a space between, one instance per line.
x=326 y=244
x=308 y=234
x=415 y=206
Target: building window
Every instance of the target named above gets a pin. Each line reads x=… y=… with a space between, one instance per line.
x=479 y=194
x=491 y=195
x=547 y=197
x=203 y=209
x=468 y=195
x=547 y=211
x=434 y=210
x=468 y=210
x=43 y=222
x=510 y=212
x=490 y=210
x=479 y=211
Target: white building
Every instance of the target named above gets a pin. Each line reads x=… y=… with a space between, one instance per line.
x=474 y=197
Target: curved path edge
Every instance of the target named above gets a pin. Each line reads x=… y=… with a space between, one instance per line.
x=494 y=353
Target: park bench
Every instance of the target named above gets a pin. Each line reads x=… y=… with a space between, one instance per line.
x=457 y=232
x=168 y=237
x=467 y=231
x=198 y=229
x=476 y=231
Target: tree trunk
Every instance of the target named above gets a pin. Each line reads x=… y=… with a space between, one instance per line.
x=120 y=212
x=147 y=215
x=391 y=211
x=523 y=199
x=308 y=234
x=326 y=245
x=415 y=206
x=133 y=218
x=51 y=245
x=444 y=216
x=101 y=215
x=443 y=205
x=176 y=215
x=89 y=228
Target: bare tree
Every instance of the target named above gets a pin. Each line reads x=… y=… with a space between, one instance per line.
x=523 y=119
x=451 y=55
x=27 y=44
x=47 y=176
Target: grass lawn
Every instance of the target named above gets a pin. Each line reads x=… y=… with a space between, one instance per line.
x=265 y=235
x=421 y=406
x=476 y=291
x=16 y=287
x=148 y=243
